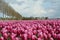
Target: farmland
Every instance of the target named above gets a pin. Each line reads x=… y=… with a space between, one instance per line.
x=30 y=30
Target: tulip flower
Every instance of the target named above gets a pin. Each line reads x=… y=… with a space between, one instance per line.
x=25 y=37
x=5 y=35
x=34 y=37
x=39 y=39
x=1 y=38
x=51 y=39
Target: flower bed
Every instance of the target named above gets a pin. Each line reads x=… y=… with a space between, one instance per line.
x=30 y=30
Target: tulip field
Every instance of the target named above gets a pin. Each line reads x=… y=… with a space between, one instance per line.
x=30 y=30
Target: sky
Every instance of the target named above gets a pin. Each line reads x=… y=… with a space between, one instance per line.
x=36 y=8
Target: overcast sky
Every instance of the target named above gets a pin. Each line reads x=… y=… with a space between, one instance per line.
x=36 y=8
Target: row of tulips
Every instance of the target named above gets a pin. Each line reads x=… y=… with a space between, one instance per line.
x=30 y=30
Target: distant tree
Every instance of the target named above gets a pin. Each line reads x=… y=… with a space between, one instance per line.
x=8 y=10
x=46 y=17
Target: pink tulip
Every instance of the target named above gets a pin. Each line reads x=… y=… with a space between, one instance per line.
x=49 y=35
x=22 y=36
x=34 y=37
x=35 y=32
x=5 y=35
x=45 y=36
x=14 y=30
x=4 y=30
x=17 y=38
x=40 y=35
x=13 y=36
x=51 y=39
x=30 y=35
x=1 y=38
x=39 y=39
x=25 y=37
x=58 y=36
